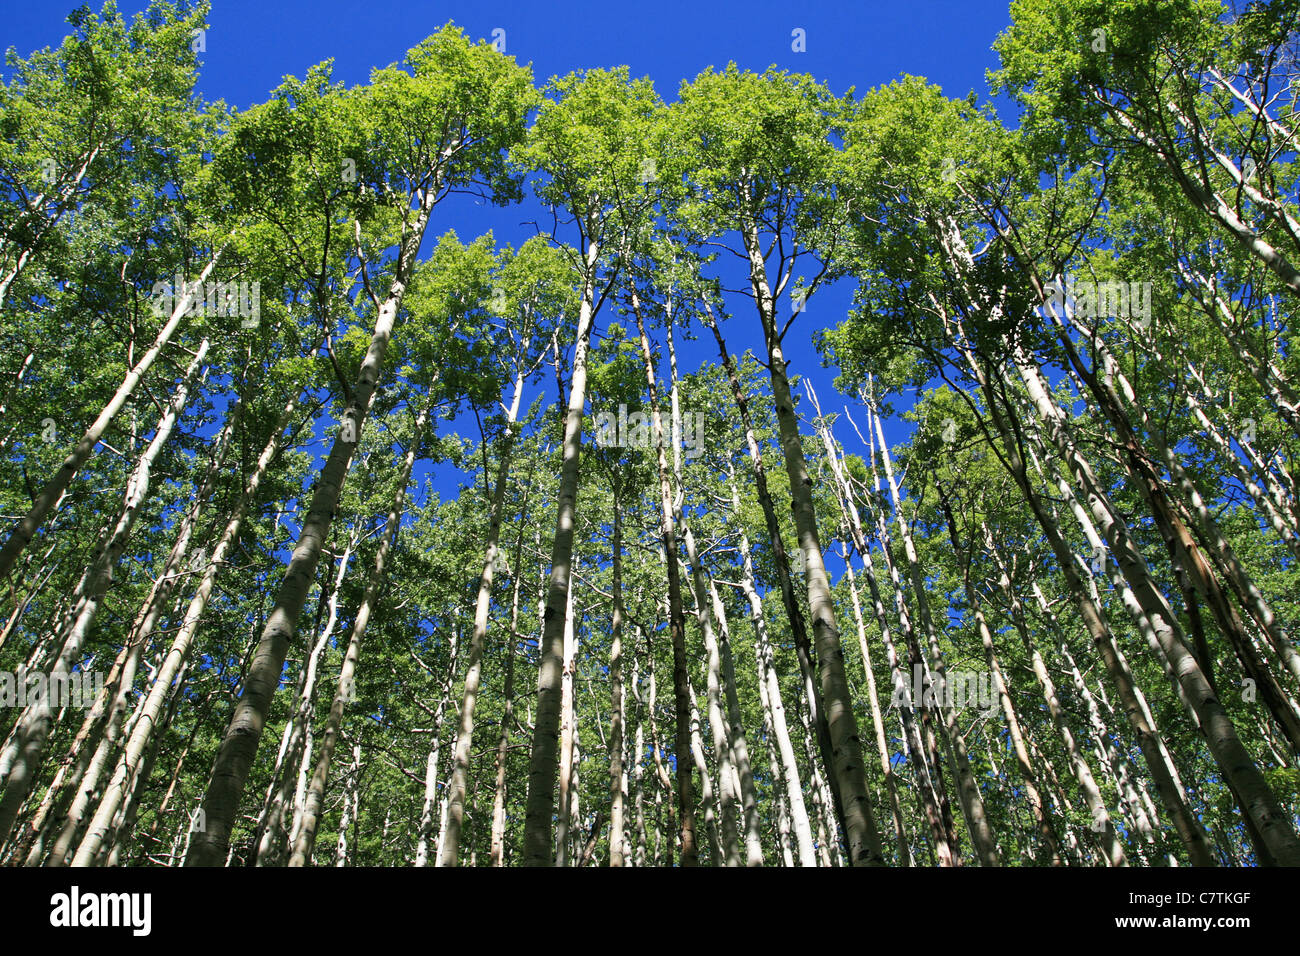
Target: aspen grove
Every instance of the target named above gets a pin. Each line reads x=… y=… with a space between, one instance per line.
x=331 y=537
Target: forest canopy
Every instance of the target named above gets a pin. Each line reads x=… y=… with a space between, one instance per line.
x=330 y=536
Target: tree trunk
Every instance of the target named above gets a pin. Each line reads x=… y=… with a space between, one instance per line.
x=972 y=803
x=794 y=612
x=102 y=727
x=235 y=756
x=617 y=771
x=305 y=839
x=473 y=676
x=846 y=770
x=683 y=700
x=1240 y=771
x=431 y=763
x=142 y=733
x=544 y=755
x=774 y=708
x=34 y=725
x=1033 y=793
x=53 y=491
x=564 y=811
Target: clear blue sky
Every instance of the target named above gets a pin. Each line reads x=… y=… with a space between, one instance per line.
x=250 y=46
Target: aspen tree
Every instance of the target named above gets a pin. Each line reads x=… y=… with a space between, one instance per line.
x=478 y=98
x=589 y=193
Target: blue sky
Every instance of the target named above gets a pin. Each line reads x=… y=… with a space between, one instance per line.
x=250 y=46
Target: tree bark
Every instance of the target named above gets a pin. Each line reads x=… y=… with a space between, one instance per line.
x=235 y=757
x=53 y=491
